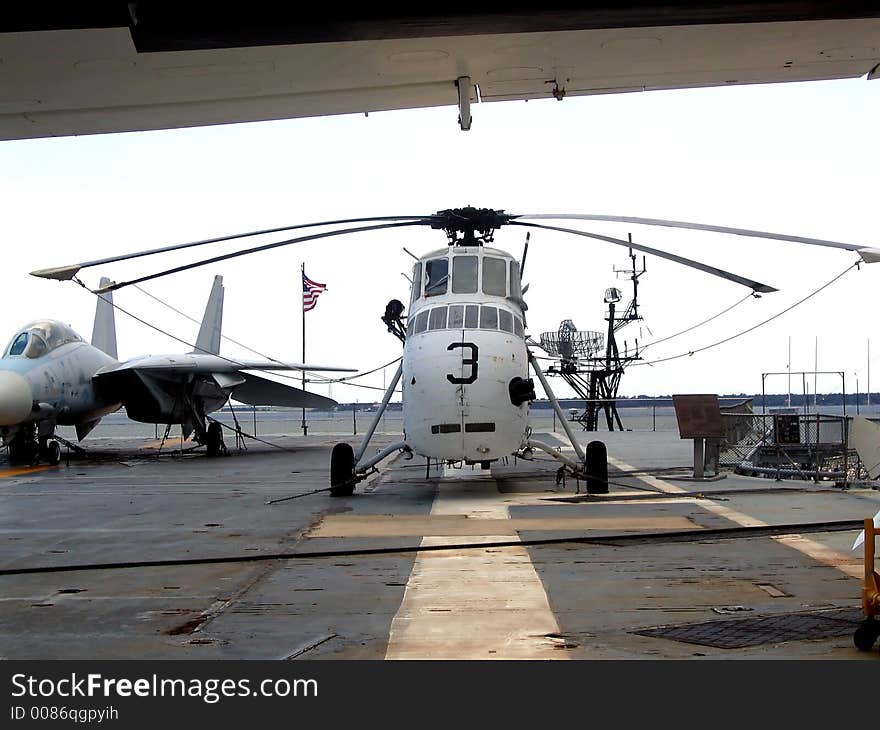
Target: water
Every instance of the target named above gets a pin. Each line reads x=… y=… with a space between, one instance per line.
x=288 y=422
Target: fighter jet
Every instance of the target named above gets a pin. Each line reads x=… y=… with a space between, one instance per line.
x=49 y=377
x=46 y=381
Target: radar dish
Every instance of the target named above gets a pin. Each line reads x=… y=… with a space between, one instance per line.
x=568 y=343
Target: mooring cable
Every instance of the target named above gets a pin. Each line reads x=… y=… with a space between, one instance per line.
x=699 y=324
x=753 y=327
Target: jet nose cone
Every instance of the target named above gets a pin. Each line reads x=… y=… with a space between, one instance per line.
x=16 y=398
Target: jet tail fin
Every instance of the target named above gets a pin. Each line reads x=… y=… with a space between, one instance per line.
x=104 y=331
x=209 y=333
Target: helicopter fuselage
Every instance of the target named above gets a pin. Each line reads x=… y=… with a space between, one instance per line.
x=464 y=348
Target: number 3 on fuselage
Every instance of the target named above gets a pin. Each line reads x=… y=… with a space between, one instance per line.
x=465 y=346
x=472 y=362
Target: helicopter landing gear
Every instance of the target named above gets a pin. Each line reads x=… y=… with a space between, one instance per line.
x=592 y=465
x=348 y=467
x=342 y=476
x=597 y=468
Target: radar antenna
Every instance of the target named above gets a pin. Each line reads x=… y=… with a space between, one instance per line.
x=594 y=375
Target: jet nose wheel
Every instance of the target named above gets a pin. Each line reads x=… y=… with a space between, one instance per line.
x=51 y=453
x=342 y=471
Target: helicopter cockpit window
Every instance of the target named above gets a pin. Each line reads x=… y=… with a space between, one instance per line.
x=518 y=327
x=471 y=316
x=421 y=321
x=437 y=320
x=505 y=320
x=488 y=318
x=494 y=276
x=515 y=288
x=464 y=275
x=437 y=273
x=456 y=316
x=417 y=283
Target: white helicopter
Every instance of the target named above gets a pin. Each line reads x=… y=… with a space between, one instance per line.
x=466 y=361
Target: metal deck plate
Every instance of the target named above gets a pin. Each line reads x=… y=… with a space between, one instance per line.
x=740 y=633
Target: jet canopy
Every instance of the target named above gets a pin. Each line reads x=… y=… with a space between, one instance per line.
x=38 y=338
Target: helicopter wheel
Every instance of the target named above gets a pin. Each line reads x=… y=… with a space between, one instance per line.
x=50 y=452
x=342 y=471
x=214 y=441
x=597 y=468
x=866 y=634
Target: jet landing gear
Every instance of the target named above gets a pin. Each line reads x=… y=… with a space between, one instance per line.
x=347 y=468
x=26 y=448
x=214 y=440
x=23 y=448
x=50 y=452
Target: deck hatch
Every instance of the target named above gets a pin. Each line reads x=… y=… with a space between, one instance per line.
x=741 y=633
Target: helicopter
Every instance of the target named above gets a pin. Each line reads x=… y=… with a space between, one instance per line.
x=466 y=364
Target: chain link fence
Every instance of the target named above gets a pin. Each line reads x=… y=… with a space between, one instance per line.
x=789 y=445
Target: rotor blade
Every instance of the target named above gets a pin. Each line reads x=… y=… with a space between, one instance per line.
x=65 y=273
x=753 y=285
x=870 y=255
x=257 y=249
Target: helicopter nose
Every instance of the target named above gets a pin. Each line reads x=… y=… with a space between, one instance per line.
x=16 y=398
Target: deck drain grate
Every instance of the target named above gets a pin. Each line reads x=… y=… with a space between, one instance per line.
x=740 y=633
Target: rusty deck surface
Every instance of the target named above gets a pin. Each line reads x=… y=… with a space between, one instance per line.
x=521 y=600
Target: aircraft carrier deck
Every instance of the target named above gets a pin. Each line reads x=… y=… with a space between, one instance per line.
x=714 y=588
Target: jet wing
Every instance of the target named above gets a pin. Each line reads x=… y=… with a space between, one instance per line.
x=257 y=391
x=203 y=363
x=151 y=385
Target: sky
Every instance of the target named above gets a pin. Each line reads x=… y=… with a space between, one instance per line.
x=792 y=158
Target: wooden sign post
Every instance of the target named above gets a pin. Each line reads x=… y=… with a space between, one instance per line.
x=699 y=418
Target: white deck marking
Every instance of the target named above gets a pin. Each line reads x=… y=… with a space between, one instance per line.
x=473 y=604
x=848 y=564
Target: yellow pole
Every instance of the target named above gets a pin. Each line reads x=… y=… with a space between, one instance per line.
x=871 y=590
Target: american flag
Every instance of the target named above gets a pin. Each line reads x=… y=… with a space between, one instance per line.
x=311 y=290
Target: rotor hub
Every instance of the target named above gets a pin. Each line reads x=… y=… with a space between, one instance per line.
x=469 y=226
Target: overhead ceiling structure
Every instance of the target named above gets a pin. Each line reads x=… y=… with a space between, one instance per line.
x=88 y=68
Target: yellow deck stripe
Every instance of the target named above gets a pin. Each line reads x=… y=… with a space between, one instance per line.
x=473 y=604
x=18 y=471
x=849 y=564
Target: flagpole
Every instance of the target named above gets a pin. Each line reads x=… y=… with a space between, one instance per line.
x=305 y=428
